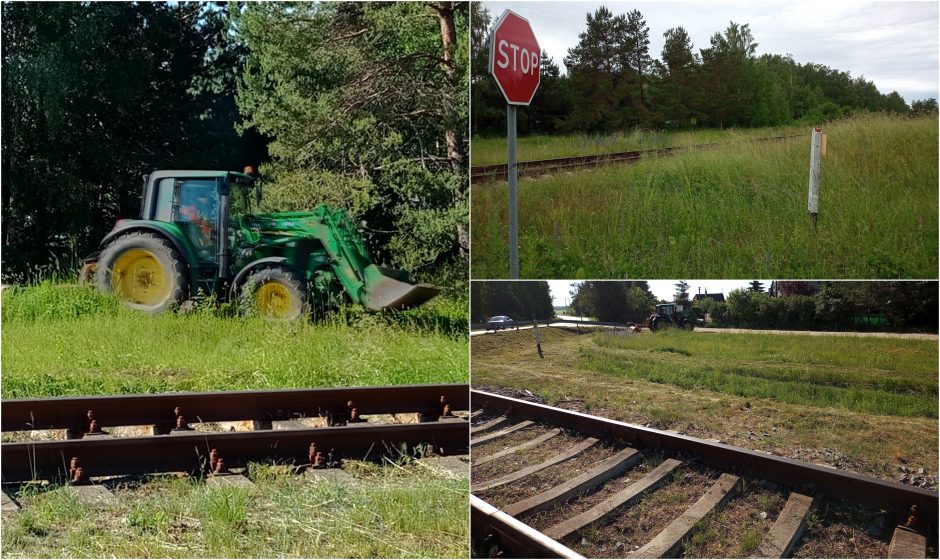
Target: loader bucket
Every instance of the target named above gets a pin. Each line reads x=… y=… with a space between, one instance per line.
x=386 y=288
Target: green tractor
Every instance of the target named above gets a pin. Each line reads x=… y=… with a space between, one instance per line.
x=197 y=236
x=669 y=315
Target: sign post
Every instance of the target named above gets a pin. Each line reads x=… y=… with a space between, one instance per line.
x=515 y=60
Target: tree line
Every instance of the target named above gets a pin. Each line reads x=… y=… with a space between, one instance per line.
x=522 y=301
x=797 y=305
x=864 y=306
x=614 y=83
x=362 y=105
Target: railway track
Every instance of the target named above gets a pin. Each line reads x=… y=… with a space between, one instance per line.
x=499 y=172
x=549 y=482
x=309 y=428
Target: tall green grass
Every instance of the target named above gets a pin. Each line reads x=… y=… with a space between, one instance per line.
x=731 y=212
x=877 y=376
x=70 y=340
x=489 y=151
x=397 y=512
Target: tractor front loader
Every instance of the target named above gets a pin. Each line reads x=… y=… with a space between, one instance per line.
x=197 y=236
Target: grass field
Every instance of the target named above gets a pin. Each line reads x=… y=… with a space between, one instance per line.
x=867 y=404
x=489 y=151
x=737 y=211
x=393 y=512
x=61 y=339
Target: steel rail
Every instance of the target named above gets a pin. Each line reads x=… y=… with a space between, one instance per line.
x=798 y=474
x=513 y=534
x=189 y=451
x=133 y=410
x=496 y=172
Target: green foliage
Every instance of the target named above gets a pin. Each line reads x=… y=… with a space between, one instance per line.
x=835 y=306
x=366 y=110
x=613 y=84
x=94 y=96
x=523 y=301
x=614 y=301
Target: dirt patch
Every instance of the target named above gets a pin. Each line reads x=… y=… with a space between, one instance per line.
x=546 y=479
x=738 y=529
x=544 y=519
x=636 y=526
x=842 y=530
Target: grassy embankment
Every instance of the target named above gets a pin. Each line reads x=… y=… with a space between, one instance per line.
x=734 y=211
x=393 y=512
x=61 y=339
x=868 y=404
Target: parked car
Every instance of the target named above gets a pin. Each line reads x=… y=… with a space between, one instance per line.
x=499 y=322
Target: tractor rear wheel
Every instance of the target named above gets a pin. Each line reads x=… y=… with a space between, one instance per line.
x=274 y=293
x=144 y=271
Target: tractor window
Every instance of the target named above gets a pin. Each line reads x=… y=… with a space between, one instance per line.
x=164 y=211
x=197 y=213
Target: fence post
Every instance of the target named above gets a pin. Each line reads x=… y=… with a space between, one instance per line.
x=815 y=155
x=538 y=338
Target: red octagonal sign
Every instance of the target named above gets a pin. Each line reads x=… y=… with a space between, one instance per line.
x=514 y=58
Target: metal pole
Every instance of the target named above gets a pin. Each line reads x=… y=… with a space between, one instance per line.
x=513 y=200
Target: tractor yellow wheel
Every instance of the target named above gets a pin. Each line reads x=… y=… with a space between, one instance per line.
x=138 y=277
x=274 y=293
x=275 y=301
x=144 y=271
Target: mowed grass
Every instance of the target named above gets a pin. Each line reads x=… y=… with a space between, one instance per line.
x=879 y=376
x=489 y=151
x=394 y=512
x=890 y=422
x=736 y=211
x=61 y=339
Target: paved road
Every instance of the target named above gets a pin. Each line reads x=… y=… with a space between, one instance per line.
x=913 y=336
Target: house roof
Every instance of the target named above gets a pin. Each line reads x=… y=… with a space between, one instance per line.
x=706 y=295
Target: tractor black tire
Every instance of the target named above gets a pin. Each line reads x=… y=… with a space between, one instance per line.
x=274 y=292
x=161 y=256
x=653 y=325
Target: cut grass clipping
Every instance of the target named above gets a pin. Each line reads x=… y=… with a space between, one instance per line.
x=61 y=339
x=731 y=212
x=878 y=376
x=394 y=512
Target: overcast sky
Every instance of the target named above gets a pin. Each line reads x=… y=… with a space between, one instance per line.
x=893 y=44
x=662 y=289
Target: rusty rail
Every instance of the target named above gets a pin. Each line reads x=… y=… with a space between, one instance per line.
x=498 y=172
x=134 y=410
x=190 y=452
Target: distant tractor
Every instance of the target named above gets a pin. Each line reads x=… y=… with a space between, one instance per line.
x=197 y=237
x=674 y=315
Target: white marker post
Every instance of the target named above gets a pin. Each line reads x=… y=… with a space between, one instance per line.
x=815 y=155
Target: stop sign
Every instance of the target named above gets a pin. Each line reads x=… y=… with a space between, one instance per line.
x=515 y=58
